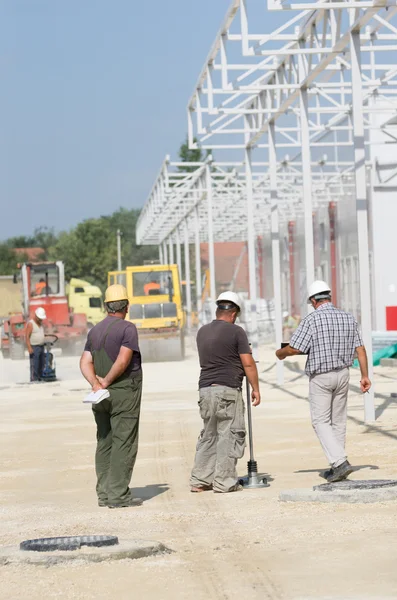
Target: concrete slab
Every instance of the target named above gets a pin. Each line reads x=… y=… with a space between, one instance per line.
x=132 y=549
x=353 y=496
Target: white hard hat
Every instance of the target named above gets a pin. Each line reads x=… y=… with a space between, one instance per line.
x=285 y=314
x=229 y=297
x=40 y=313
x=318 y=288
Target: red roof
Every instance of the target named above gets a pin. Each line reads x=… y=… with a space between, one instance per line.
x=227 y=255
x=33 y=254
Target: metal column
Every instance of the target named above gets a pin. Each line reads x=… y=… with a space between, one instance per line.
x=178 y=252
x=362 y=214
x=165 y=253
x=251 y=253
x=119 y=234
x=171 y=249
x=307 y=187
x=161 y=257
x=278 y=326
x=187 y=276
x=197 y=261
x=211 y=249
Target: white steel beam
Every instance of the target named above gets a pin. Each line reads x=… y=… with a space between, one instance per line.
x=210 y=223
x=187 y=276
x=171 y=249
x=251 y=238
x=362 y=215
x=275 y=237
x=197 y=256
x=178 y=251
x=307 y=188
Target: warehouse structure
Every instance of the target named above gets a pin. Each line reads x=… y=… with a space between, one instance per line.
x=302 y=121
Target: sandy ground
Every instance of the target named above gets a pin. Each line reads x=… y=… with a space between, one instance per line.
x=243 y=545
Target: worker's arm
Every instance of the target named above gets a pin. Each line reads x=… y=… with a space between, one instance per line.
x=299 y=343
x=118 y=368
x=282 y=353
x=29 y=330
x=88 y=371
x=365 y=382
x=251 y=373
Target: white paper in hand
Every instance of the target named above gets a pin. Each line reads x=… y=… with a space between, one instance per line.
x=96 y=397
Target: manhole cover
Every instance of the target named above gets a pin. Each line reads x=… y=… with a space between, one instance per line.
x=68 y=543
x=363 y=484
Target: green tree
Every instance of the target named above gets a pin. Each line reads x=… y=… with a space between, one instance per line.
x=8 y=260
x=44 y=237
x=89 y=250
x=186 y=154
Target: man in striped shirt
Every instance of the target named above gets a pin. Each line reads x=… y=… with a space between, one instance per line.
x=330 y=338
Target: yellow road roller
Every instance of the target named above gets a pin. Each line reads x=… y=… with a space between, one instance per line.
x=154 y=294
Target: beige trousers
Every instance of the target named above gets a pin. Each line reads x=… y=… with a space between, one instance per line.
x=328 y=408
x=222 y=441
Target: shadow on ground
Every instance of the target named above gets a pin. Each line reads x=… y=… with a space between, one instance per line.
x=321 y=471
x=150 y=491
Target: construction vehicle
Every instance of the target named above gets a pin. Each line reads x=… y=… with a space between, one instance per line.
x=87 y=299
x=154 y=294
x=43 y=284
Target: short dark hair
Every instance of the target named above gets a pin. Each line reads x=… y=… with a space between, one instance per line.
x=321 y=296
x=226 y=306
x=116 y=306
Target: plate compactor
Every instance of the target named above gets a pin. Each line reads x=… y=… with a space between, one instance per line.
x=49 y=373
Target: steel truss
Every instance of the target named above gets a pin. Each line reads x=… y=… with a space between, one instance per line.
x=313 y=85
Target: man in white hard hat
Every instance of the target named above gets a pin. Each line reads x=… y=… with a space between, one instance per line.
x=330 y=338
x=225 y=357
x=112 y=360
x=35 y=338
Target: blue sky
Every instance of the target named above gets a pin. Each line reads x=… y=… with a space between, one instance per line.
x=93 y=96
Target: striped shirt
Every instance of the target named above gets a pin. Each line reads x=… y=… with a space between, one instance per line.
x=330 y=337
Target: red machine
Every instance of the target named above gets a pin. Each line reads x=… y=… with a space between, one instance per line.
x=43 y=284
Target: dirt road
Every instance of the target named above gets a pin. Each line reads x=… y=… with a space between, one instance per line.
x=243 y=545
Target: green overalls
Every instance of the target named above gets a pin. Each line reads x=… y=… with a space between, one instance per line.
x=117 y=420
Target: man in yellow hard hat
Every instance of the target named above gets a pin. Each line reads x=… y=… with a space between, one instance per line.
x=112 y=360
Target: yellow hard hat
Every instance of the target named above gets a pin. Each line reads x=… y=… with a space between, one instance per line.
x=116 y=292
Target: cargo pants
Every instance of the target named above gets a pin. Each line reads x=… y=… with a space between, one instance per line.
x=222 y=441
x=117 y=420
x=36 y=363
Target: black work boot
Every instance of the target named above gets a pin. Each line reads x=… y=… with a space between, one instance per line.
x=130 y=502
x=340 y=473
x=328 y=473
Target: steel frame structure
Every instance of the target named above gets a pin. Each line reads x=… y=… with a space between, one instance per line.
x=302 y=88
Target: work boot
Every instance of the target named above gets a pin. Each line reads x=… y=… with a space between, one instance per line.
x=102 y=503
x=328 y=473
x=340 y=473
x=129 y=503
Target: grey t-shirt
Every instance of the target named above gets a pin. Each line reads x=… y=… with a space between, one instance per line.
x=121 y=333
x=219 y=346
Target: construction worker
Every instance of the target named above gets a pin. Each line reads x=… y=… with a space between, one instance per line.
x=225 y=357
x=153 y=287
x=35 y=338
x=112 y=360
x=331 y=338
x=40 y=287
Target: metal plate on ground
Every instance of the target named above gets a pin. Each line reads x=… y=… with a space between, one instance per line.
x=258 y=480
x=363 y=484
x=68 y=543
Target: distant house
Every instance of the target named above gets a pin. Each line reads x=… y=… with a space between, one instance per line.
x=231 y=261
x=32 y=254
